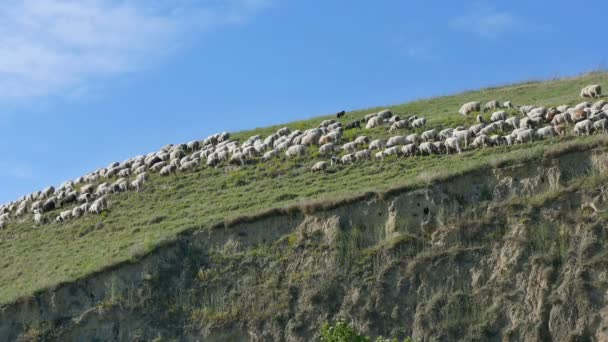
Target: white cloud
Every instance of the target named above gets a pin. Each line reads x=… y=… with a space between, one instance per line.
x=485 y=21
x=53 y=47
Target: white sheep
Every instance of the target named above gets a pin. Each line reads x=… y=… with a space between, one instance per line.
x=594 y=90
x=350 y=147
x=363 y=155
x=469 y=108
x=319 y=166
x=377 y=144
x=430 y=135
x=491 y=105
x=427 y=148
x=409 y=150
x=500 y=115
x=296 y=151
x=601 y=125
x=397 y=140
x=583 y=127
x=375 y=122
x=419 y=123
x=452 y=143
x=402 y=124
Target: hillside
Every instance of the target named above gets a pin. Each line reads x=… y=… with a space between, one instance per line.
x=435 y=247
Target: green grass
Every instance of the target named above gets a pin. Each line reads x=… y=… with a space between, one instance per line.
x=34 y=258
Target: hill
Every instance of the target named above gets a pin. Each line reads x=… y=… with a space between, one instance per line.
x=267 y=229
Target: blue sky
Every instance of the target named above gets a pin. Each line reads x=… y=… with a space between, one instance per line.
x=87 y=82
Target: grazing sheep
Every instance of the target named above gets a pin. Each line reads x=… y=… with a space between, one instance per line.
x=38 y=218
x=353 y=124
x=397 y=125
x=524 y=110
x=385 y=114
x=377 y=144
x=327 y=149
x=594 y=90
x=582 y=105
x=491 y=105
x=311 y=139
x=480 y=119
x=513 y=122
x=508 y=139
x=419 y=123
x=137 y=184
x=413 y=138
x=508 y=104
x=391 y=151
x=583 y=127
x=350 y=147
x=367 y=117
x=446 y=133
x=562 y=118
x=409 y=150
x=500 y=115
x=340 y=114
x=238 y=158
x=189 y=165
x=375 y=122
x=547 y=131
x=319 y=167
x=579 y=115
x=476 y=128
x=99 y=206
x=49 y=205
x=124 y=173
x=526 y=135
x=560 y=130
x=601 y=125
x=379 y=155
x=167 y=170
x=480 y=141
x=77 y=212
x=427 y=148
x=348 y=159
x=296 y=151
x=363 y=155
x=397 y=140
x=64 y=216
x=469 y=108
x=464 y=135
x=395 y=118
x=452 y=143
x=271 y=154
x=361 y=140
x=430 y=135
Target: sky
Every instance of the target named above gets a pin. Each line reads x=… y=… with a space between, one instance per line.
x=84 y=83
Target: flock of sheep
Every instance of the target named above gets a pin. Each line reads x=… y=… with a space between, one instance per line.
x=89 y=194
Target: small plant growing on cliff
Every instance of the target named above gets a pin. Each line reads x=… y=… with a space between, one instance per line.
x=341 y=332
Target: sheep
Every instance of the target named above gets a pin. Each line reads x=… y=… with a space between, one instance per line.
x=38 y=218
x=361 y=140
x=427 y=148
x=491 y=105
x=99 y=206
x=189 y=165
x=340 y=114
x=395 y=118
x=601 y=125
x=379 y=155
x=350 y=147
x=526 y=135
x=137 y=184
x=271 y=154
x=296 y=151
x=167 y=170
x=429 y=135
x=419 y=123
x=508 y=139
x=547 y=131
x=562 y=118
x=495 y=140
x=158 y=166
x=283 y=131
x=77 y=212
x=311 y=139
x=583 y=127
x=446 y=133
x=480 y=141
x=464 y=135
x=124 y=173
x=414 y=138
x=598 y=105
x=375 y=122
x=348 y=159
x=409 y=150
x=327 y=149
x=319 y=167
x=452 y=143
x=353 y=124
x=594 y=90
x=469 y=108
x=500 y=115
x=367 y=117
x=508 y=104
x=397 y=125
x=64 y=216
x=363 y=155
x=476 y=128
x=579 y=115
x=396 y=140
x=385 y=114
x=479 y=119
x=3 y=224
x=391 y=151
x=377 y=144
x=49 y=205
x=582 y=105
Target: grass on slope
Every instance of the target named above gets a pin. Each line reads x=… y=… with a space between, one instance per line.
x=34 y=258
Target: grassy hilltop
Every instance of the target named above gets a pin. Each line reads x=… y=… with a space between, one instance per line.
x=34 y=258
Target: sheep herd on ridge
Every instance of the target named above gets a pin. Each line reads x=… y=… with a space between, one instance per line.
x=508 y=124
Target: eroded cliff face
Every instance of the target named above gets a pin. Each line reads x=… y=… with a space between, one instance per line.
x=511 y=253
